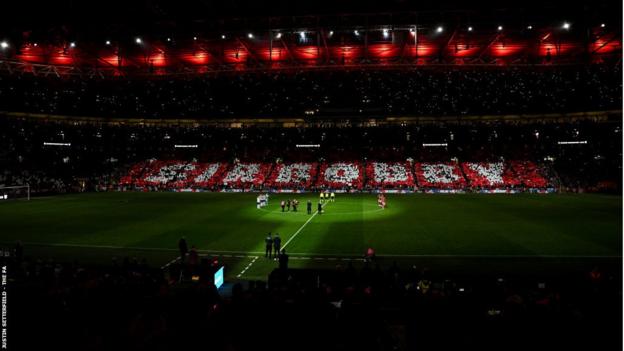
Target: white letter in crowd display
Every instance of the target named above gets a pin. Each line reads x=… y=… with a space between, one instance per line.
x=208 y=173
x=295 y=172
x=493 y=172
x=344 y=173
x=390 y=172
x=242 y=172
x=169 y=173
x=439 y=173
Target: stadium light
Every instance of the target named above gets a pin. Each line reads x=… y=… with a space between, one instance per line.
x=470 y=29
x=138 y=40
x=566 y=25
x=45 y=143
x=440 y=29
x=278 y=35
x=35 y=44
x=331 y=32
x=500 y=28
x=72 y=44
x=386 y=33
x=169 y=39
x=572 y=142
x=4 y=45
x=356 y=32
x=302 y=35
x=108 y=42
x=194 y=38
x=529 y=27
x=250 y=36
x=222 y=36
x=602 y=25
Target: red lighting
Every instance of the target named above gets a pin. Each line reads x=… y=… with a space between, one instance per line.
x=556 y=50
x=506 y=49
x=158 y=60
x=383 y=51
x=463 y=50
x=235 y=55
x=61 y=59
x=424 y=50
x=113 y=60
x=306 y=53
x=197 y=58
x=606 y=47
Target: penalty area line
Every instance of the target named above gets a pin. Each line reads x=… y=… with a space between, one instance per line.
x=171 y=262
x=247 y=267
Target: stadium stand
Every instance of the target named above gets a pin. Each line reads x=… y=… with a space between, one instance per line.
x=369 y=102
x=519 y=154
x=353 y=306
x=427 y=92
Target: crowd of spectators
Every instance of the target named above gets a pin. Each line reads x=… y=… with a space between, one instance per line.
x=377 y=305
x=97 y=155
x=425 y=91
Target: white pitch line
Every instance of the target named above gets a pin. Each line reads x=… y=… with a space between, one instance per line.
x=112 y=247
x=313 y=254
x=171 y=262
x=248 y=266
x=303 y=226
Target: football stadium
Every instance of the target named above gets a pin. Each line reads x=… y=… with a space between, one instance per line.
x=321 y=176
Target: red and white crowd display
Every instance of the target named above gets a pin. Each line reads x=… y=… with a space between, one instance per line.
x=292 y=176
x=389 y=175
x=210 y=175
x=439 y=175
x=340 y=175
x=489 y=175
x=529 y=174
x=244 y=175
x=173 y=174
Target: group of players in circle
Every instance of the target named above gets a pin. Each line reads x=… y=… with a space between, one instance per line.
x=294 y=203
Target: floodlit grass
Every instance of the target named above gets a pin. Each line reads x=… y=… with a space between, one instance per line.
x=468 y=225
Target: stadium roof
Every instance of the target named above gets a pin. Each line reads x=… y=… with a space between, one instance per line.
x=163 y=37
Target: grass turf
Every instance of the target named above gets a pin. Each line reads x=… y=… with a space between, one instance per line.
x=86 y=226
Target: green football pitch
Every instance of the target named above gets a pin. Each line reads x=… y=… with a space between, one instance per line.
x=100 y=225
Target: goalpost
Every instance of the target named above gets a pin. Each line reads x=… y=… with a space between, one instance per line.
x=15 y=192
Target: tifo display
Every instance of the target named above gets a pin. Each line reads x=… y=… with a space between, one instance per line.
x=339 y=176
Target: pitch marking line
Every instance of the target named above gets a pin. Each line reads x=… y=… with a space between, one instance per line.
x=171 y=262
x=248 y=266
x=313 y=254
x=303 y=226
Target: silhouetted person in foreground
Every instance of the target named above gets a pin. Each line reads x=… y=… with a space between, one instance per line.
x=283 y=260
x=277 y=244
x=268 y=241
x=183 y=246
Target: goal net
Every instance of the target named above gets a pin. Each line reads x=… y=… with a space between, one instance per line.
x=15 y=192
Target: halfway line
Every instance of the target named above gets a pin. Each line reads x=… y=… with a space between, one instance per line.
x=303 y=226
